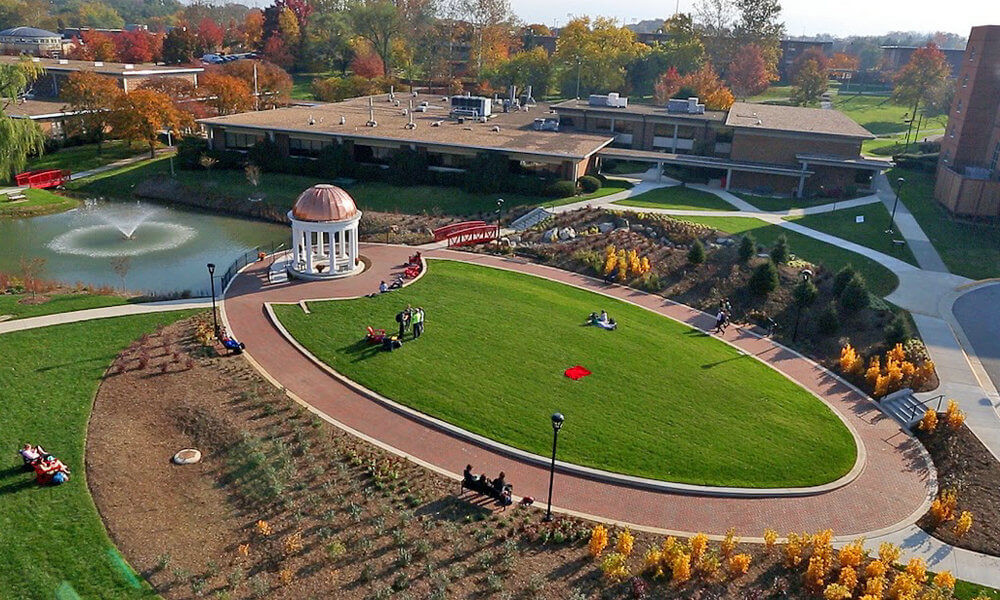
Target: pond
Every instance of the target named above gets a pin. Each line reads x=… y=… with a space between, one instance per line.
x=163 y=250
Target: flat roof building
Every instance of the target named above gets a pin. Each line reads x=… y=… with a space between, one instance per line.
x=31 y=41
x=128 y=76
x=968 y=172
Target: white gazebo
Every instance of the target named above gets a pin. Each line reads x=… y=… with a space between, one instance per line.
x=324 y=234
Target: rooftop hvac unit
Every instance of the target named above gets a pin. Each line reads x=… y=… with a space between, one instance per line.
x=471 y=106
x=612 y=100
x=689 y=106
x=546 y=124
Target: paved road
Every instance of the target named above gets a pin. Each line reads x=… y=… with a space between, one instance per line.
x=979 y=314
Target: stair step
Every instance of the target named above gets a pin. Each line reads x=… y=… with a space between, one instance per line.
x=530 y=219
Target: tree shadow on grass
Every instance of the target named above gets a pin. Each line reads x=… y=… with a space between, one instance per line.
x=712 y=365
x=106 y=359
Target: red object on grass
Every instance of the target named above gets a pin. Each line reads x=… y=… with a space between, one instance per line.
x=44 y=178
x=576 y=372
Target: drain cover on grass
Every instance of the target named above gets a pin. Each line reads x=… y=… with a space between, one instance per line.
x=187 y=456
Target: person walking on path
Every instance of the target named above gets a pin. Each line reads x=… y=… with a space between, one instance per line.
x=720 y=321
x=418 y=322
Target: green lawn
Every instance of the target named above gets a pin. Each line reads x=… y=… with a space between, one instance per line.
x=881 y=280
x=54 y=535
x=777 y=203
x=871 y=233
x=57 y=303
x=611 y=186
x=880 y=115
x=624 y=167
x=302 y=84
x=665 y=401
x=38 y=202
x=969 y=591
x=773 y=93
x=282 y=190
x=84 y=158
x=677 y=197
x=969 y=249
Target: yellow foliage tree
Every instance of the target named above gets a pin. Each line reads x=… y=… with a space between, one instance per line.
x=699 y=543
x=610 y=260
x=624 y=542
x=728 y=544
x=615 y=566
x=851 y=362
x=881 y=386
x=874 y=371
x=929 y=422
x=738 y=564
x=770 y=537
x=964 y=523
x=646 y=267
x=598 y=540
x=894 y=376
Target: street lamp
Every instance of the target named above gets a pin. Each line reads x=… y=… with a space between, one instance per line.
x=499 y=208
x=557 y=423
x=211 y=277
x=579 y=72
x=892 y=217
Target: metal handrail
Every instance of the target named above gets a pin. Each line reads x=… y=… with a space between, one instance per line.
x=924 y=403
x=242 y=261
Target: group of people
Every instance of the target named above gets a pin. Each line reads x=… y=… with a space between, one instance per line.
x=48 y=469
x=498 y=488
x=602 y=320
x=411 y=316
x=722 y=319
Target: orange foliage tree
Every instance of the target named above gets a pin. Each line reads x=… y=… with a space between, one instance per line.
x=227 y=94
x=91 y=95
x=748 y=74
x=142 y=114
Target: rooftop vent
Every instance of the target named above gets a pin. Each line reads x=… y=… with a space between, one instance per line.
x=343 y=120
x=98 y=64
x=63 y=61
x=436 y=124
x=129 y=67
x=612 y=100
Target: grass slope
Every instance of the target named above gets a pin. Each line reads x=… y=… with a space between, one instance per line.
x=39 y=202
x=880 y=280
x=57 y=303
x=54 y=535
x=86 y=157
x=611 y=186
x=871 y=233
x=879 y=115
x=779 y=203
x=969 y=249
x=665 y=400
x=677 y=197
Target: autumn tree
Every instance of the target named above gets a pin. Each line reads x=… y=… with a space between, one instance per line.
x=492 y=29
x=181 y=92
x=533 y=67
x=273 y=84
x=139 y=46
x=684 y=51
x=810 y=84
x=181 y=45
x=844 y=61
x=759 y=23
x=210 y=35
x=593 y=55
x=923 y=80
x=253 y=29
x=667 y=86
x=708 y=87
x=367 y=64
x=814 y=54
x=748 y=74
x=94 y=45
x=142 y=114
x=91 y=95
x=227 y=94
x=19 y=138
x=380 y=23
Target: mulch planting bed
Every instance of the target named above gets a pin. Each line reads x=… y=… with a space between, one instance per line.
x=284 y=505
x=965 y=465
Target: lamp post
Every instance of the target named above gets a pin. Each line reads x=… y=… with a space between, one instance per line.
x=499 y=209
x=557 y=423
x=892 y=217
x=211 y=277
x=579 y=72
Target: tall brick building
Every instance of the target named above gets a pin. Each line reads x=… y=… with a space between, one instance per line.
x=968 y=173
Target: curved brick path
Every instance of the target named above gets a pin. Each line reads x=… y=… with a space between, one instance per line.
x=891 y=491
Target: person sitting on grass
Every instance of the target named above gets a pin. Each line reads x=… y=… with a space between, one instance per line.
x=397 y=283
x=602 y=320
x=51 y=470
x=31 y=454
x=383 y=287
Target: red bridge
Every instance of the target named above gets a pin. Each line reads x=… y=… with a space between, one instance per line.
x=45 y=178
x=466 y=233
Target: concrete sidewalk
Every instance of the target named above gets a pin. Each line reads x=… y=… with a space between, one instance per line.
x=906 y=226
x=103 y=313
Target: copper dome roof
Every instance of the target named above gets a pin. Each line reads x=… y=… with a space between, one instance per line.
x=324 y=202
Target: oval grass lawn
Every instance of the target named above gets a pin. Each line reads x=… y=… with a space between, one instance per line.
x=665 y=401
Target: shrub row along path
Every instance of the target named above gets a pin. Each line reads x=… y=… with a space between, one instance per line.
x=895 y=461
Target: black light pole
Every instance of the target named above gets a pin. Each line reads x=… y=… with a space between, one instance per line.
x=211 y=277
x=579 y=72
x=557 y=422
x=499 y=208
x=892 y=217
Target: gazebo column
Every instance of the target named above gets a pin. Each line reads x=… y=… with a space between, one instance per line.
x=333 y=251
x=310 y=251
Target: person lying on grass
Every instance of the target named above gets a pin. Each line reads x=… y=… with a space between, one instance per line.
x=31 y=455
x=602 y=320
x=49 y=470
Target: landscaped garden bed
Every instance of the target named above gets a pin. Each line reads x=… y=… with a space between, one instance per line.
x=286 y=506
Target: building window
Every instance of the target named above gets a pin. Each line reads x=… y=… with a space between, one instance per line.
x=241 y=140
x=965 y=80
x=301 y=147
x=972 y=53
x=958 y=108
x=947 y=156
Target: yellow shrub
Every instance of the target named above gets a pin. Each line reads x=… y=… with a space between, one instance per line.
x=873 y=372
x=875 y=586
x=293 y=543
x=680 y=568
x=646 y=267
x=244 y=549
x=894 y=376
x=881 y=386
x=624 y=542
x=943 y=507
x=610 y=260
x=263 y=527
x=652 y=562
x=929 y=422
x=848 y=578
x=852 y=554
x=835 y=591
x=793 y=551
x=909 y=369
x=598 y=540
x=708 y=565
x=876 y=569
x=850 y=361
x=738 y=564
x=822 y=543
x=896 y=353
x=770 y=537
x=285 y=576
x=923 y=374
x=728 y=544
x=615 y=566
x=671 y=550
x=815 y=577
x=699 y=543
x=955 y=420
x=622 y=267
x=945 y=580
x=964 y=524
x=904 y=587
x=889 y=553
x=917 y=569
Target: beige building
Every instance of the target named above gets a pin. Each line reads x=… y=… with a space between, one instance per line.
x=31 y=41
x=128 y=76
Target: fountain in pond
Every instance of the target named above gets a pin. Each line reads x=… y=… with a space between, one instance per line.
x=114 y=229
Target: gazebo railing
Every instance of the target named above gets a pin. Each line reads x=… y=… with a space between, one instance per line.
x=243 y=260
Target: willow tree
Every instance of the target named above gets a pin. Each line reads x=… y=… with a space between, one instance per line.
x=19 y=138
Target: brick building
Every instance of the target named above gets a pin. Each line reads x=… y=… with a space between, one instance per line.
x=968 y=173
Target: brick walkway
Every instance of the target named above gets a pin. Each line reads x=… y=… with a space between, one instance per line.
x=891 y=490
